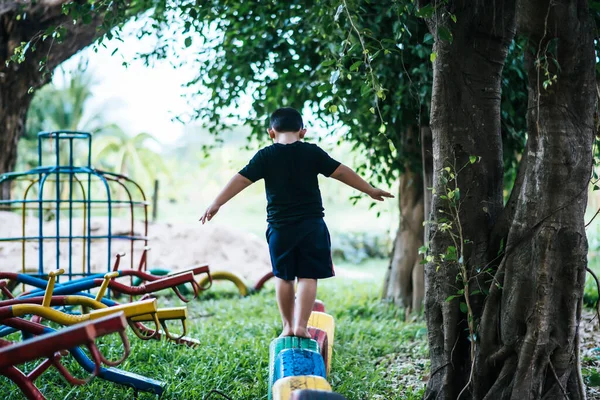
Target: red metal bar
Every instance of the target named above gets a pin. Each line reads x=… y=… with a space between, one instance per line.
x=261 y=282
x=185 y=340
x=47 y=345
x=26 y=386
x=165 y=282
x=40 y=369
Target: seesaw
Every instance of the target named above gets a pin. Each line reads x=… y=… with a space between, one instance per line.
x=48 y=347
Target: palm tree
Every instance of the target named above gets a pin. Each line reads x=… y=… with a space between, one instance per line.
x=61 y=107
x=118 y=152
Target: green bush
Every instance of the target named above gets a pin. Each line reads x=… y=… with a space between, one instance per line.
x=590 y=293
x=356 y=247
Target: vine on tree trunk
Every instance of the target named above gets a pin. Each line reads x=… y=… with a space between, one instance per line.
x=450 y=224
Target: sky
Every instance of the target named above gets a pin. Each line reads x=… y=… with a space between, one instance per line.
x=137 y=97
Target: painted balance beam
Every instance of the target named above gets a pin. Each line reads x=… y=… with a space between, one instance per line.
x=283 y=388
x=324 y=322
x=115 y=375
x=311 y=394
x=320 y=336
x=319 y=306
x=289 y=342
x=298 y=362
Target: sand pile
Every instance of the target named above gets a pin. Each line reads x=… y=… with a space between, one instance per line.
x=173 y=246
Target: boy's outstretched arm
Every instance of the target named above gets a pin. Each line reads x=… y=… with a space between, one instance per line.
x=233 y=187
x=349 y=177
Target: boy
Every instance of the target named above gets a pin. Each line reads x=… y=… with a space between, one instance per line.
x=298 y=238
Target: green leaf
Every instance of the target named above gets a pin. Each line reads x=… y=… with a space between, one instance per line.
x=425 y=12
x=355 y=66
x=594 y=379
x=596 y=187
x=188 y=41
x=451 y=253
x=382 y=128
x=365 y=90
x=328 y=63
x=472 y=159
x=333 y=108
x=463 y=307
x=432 y=56
x=453 y=18
x=445 y=34
x=423 y=249
x=450 y=298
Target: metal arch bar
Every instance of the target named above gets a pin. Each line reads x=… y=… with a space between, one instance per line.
x=67 y=134
x=145 y=203
x=131 y=208
x=90 y=172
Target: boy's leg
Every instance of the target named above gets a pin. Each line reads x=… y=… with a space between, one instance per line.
x=307 y=293
x=285 y=301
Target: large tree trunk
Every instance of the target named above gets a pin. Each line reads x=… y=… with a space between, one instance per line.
x=465 y=122
x=403 y=283
x=529 y=331
x=17 y=79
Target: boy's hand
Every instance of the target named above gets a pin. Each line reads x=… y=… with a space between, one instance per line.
x=379 y=194
x=210 y=212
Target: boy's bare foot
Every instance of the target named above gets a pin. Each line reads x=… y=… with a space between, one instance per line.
x=302 y=332
x=286 y=332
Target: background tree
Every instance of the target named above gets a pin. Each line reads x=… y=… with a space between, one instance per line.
x=116 y=151
x=63 y=106
x=365 y=65
x=45 y=33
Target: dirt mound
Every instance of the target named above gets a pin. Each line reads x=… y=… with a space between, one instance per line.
x=173 y=246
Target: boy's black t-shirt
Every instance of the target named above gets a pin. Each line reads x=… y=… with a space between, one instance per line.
x=290 y=173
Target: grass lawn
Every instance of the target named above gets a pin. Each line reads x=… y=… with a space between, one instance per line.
x=235 y=334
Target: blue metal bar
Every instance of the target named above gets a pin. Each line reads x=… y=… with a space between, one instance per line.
x=115 y=375
x=65 y=134
x=41 y=225
x=29 y=238
x=141 y=203
x=89 y=207
x=67 y=288
x=70 y=211
x=58 y=205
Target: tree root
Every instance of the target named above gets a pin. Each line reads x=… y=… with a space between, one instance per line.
x=560 y=385
x=598 y=286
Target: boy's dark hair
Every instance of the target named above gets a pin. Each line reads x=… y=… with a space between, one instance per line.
x=286 y=119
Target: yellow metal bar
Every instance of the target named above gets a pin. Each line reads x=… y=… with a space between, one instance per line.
x=84 y=301
x=163 y=314
x=50 y=287
x=105 y=283
x=130 y=310
x=48 y=313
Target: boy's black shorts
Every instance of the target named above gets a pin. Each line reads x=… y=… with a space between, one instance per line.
x=301 y=250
